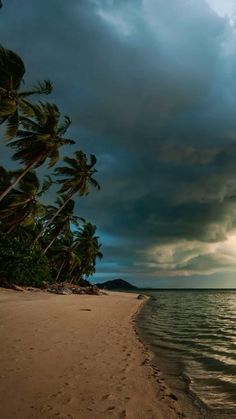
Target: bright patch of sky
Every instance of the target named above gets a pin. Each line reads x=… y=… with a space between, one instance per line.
x=116 y=19
x=224 y=8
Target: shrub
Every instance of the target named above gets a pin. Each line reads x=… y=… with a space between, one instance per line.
x=22 y=262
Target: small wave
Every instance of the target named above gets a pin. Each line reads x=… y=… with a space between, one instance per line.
x=196 y=330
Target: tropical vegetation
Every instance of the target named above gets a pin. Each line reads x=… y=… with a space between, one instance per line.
x=41 y=240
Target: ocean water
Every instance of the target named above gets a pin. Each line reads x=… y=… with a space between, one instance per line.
x=192 y=335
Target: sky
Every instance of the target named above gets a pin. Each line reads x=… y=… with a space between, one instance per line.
x=150 y=87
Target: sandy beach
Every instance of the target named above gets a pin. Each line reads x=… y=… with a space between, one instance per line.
x=76 y=357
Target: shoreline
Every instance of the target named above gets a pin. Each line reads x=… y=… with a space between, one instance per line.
x=190 y=406
x=70 y=357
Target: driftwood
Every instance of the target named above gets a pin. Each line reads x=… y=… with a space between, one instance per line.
x=67 y=289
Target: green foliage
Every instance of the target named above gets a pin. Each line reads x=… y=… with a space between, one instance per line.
x=12 y=101
x=22 y=262
x=30 y=229
x=77 y=174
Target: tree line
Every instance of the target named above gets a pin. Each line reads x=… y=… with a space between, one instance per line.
x=39 y=241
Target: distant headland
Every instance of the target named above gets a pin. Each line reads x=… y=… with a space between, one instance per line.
x=116 y=284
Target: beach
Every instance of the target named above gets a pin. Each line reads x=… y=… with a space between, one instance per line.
x=77 y=357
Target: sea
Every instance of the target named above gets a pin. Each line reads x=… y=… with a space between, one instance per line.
x=192 y=335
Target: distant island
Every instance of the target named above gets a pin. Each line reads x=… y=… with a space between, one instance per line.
x=116 y=284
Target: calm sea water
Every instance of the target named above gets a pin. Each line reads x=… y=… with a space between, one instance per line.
x=193 y=335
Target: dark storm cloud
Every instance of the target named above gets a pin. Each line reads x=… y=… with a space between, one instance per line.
x=150 y=86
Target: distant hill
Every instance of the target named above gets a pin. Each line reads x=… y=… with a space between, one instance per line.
x=116 y=284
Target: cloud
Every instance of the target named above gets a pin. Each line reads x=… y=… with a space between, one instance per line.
x=192 y=258
x=150 y=86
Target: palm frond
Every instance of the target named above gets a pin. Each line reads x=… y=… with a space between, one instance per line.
x=12 y=69
x=47 y=183
x=64 y=126
x=53 y=158
x=42 y=88
x=12 y=126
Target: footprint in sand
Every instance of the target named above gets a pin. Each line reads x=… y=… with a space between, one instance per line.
x=111 y=408
x=55 y=395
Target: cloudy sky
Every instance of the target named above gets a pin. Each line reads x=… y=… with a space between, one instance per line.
x=150 y=86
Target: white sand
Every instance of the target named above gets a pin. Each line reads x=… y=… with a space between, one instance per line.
x=76 y=356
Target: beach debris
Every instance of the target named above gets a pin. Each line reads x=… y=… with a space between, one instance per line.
x=173 y=396
x=62 y=288
x=33 y=289
x=17 y=288
x=45 y=284
x=141 y=297
x=67 y=289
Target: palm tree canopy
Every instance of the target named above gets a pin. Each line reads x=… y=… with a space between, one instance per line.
x=12 y=70
x=88 y=248
x=21 y=206
x=41 y=136
x=78 y=174
x=66 y=215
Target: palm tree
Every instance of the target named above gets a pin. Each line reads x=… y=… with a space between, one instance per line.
x=12 y=70
x=64 y=256
x=78 y=174
x=62 y=223
x=22 y=206
x=88 y=249
x=40 y=138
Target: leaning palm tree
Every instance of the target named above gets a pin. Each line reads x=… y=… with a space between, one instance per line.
x=88 y=248
x=40 y=138
x=79 y=177
x=61 y=225
x=63 y=255
x=12 y=100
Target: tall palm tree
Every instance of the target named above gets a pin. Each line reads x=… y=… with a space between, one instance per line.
x=79 y=177
x=64 y=256
x=40 y=138
x=63 y=222
x=12 y=70
x=88 y=249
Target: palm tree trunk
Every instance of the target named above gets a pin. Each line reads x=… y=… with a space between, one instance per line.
x=49 y=245
x=53 y=239
x=59 y=272
x=74 y=280
x=70 y=273
x=53 y=218
x=13 y=185
x=11 y=229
